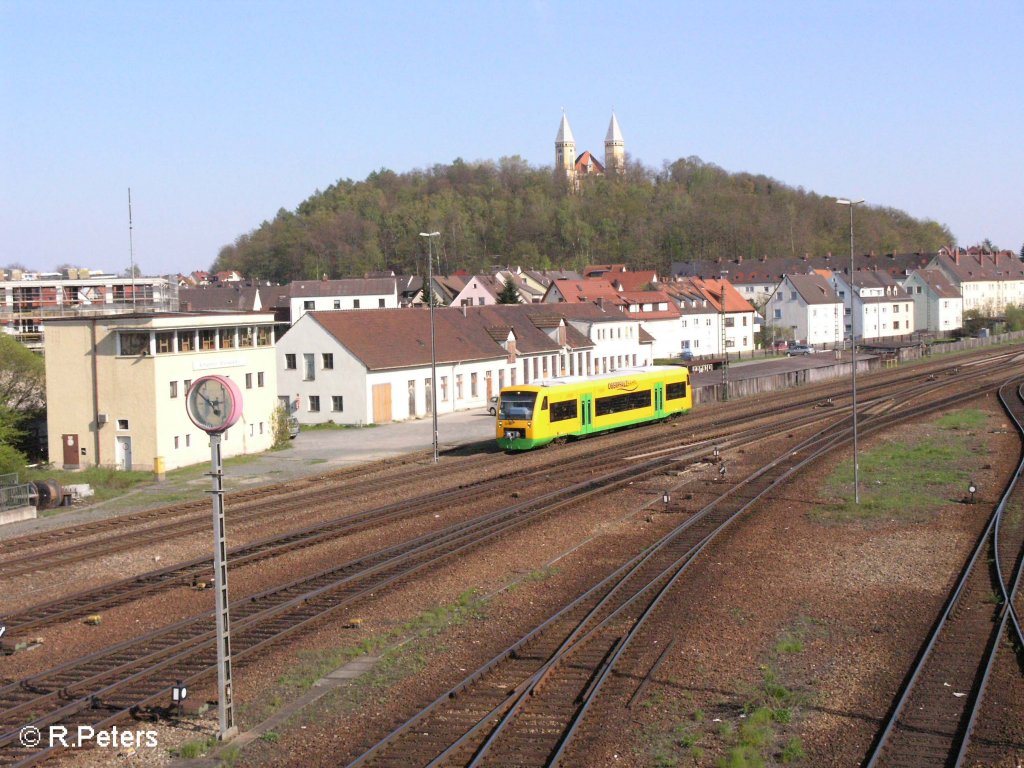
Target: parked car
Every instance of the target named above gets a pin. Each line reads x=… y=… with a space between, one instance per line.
x=492 y=405
x=800 y=349
x=781 y=345
x=687 y=355
x=293 y=427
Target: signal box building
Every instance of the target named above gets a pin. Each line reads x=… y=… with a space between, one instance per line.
x=116 y=386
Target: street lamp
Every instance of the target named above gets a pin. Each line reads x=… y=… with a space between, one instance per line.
x=853 y=354
x=433 y=353
x=725 y=344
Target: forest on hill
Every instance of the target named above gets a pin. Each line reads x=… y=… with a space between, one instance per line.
x=509 y=213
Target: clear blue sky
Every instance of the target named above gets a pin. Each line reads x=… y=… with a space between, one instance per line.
x=217 y=114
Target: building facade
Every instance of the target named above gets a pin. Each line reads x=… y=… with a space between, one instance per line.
x=116 y=386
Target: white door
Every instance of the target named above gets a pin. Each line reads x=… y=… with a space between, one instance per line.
x=124 y=452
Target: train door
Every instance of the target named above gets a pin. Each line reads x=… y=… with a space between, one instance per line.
x=659 y=399
x=586 y=414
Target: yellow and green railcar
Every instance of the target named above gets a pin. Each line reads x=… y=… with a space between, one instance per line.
x=532 y=415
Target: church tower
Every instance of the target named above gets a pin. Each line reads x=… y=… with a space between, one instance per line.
x=614 y=148
x=565 y=151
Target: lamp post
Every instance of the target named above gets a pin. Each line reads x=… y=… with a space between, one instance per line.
x=433 y=353
x=853 y=354
x=725 y=344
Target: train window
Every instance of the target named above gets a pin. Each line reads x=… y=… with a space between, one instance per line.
x=517 y=405
x=618 y=403
x=544 y=404
x=563 y=411
x=675 y=390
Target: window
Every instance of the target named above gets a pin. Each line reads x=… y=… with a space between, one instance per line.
x=134 y=343
x=314 y=403
x=227 y=338
x=778 y=314
x=337 y=303
x=245 y=337
x=458 y=386
x=675 y=390
x=355 y=303
x=337 y=403
x=730 y=322
x=175 y=441
x=188 y=384
x=309 y=372
x=122 y=423
x=563 y=411
x=207 y=338
x=629 y=401
x=248 y=381
x=188 y=440
x=186 y=341
x=307 y=304
x=895 y=325
x=472 y=385
x=259 y=378
x=380 y=303
x=444 y=389
x=174 y=389
x=289 y=362
x=165 y=343
x=327 y=360
x=263 y=337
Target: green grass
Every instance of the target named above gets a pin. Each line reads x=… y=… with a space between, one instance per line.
x=904 y=480
x=789 y=643
x=190 y=750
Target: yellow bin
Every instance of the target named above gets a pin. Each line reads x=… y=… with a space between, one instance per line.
x=159 y=469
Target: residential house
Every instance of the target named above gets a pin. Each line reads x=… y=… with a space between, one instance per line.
x=352 y=293
x=809 y=307
x=988 y=282
x=716 y=319
x=479 y=291
x=116 y=386
x=938 y=305
x=654 y=309
x=882 y=308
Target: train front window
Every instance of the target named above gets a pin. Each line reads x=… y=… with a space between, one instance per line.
x=517 y=405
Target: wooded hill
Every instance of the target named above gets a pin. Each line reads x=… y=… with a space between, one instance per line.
x=508 y=213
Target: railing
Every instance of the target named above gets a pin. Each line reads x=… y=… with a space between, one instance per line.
x=13 y=495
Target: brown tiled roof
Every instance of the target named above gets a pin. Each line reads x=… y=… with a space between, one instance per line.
x=400 y=338
x=814 y=289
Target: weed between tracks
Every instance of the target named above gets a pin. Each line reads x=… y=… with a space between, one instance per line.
x=907 y=478
x=404 y=650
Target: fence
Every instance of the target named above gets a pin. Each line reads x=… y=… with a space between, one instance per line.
x=13 y=494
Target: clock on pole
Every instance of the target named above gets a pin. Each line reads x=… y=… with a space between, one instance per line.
x=214 y=404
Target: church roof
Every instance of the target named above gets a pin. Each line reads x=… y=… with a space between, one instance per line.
x=614 y=132
x=565 y=132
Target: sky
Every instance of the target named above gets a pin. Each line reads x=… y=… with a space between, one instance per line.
x=218 y=114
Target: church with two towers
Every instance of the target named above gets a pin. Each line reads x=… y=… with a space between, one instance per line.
x=572 y=167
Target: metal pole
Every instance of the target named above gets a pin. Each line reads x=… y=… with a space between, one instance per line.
x=225 y=710
x=433 y=353
x=725 y=344
x=853 y=356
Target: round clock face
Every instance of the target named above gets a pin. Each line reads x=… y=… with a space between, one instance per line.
x=214 y=403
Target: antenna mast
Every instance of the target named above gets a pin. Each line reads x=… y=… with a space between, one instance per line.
x=131 y=248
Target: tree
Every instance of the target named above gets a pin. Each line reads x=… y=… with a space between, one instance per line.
x=509 y=293
x=11 y=459
x=1022 y=253
x=22 y=377
x=132 y=271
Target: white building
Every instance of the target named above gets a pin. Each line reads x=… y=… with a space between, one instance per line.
x=938 y=305
x=988 y=282
x=355 y=293
x=374 y=367
x=116 y=386
x=881 y=307
x=808 y=306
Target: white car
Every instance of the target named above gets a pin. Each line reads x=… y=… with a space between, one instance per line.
x=492 y=406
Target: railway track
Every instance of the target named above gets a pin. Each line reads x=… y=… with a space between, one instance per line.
x=526 y=706
x=199 y=570
x=940 y=704
x=138 y=673
x=47 y=550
